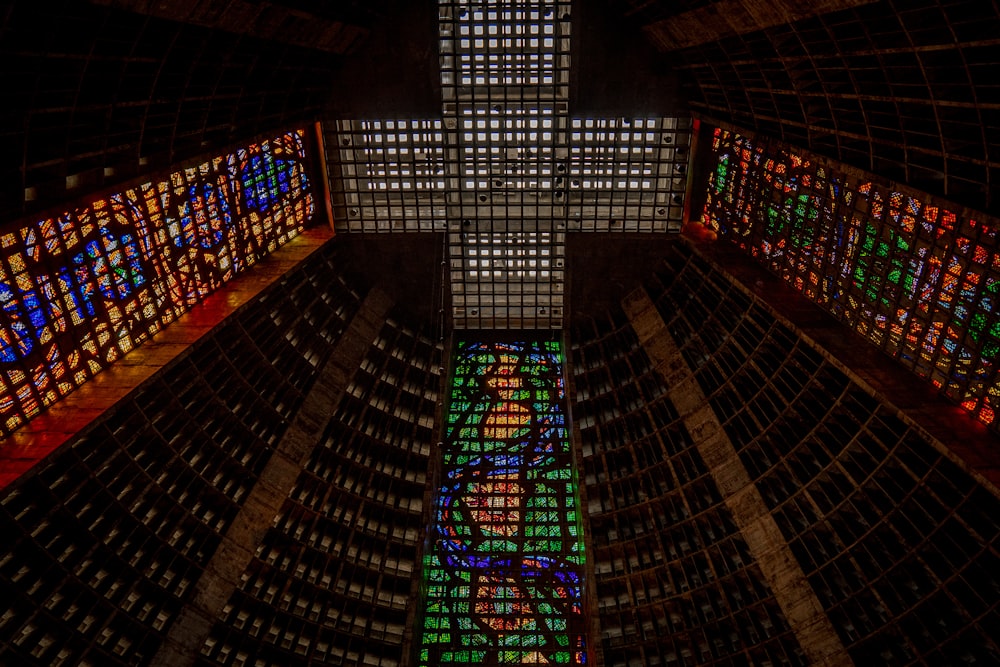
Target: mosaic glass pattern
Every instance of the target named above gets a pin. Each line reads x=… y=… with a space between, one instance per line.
x=79 y=290
x=503 y=576
x=917 y=280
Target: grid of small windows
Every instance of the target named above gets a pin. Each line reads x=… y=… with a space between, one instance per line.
x=915 y=279
x=598 y=147
x=675 y=582
x=508 y=279
x=510 y=152
x=627 y=174
x=900 y=545
x=503 y=574
x=80 y=290
x=105 y=541
x=333 y=578
x=509 y=64
x=491 y=50
x=393 y=174
x=507 y=154
x=602 y=174
x=505 y=75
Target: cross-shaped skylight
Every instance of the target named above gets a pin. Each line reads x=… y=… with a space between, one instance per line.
x=507 y=171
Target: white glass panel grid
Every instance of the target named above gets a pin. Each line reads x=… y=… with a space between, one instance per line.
x=507 y=279
x=510 y=50
x=506 y=157
x=508 y=150
x=619 y=155
x=627 y=174
x=390 y=173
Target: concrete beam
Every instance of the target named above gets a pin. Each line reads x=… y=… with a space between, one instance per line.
x=803 y=611
x=222 y=574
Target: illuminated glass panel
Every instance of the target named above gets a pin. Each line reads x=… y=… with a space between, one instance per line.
x=80 y=290
x=507 y=150
x=390 y=175
x=503 y=578
x=623 y=155
x=507 y=279
x=505 y=45
x=507 y=158
x=917 y=280
x=397 y=154
x=506 y=147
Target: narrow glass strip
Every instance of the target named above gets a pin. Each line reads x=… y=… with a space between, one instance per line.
x=503 y=573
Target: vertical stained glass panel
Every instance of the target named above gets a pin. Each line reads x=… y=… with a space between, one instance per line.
x=503 y=576
x=81 y=289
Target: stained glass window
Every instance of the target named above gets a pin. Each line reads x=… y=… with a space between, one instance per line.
x=79 y=290
x=503 y=577
x=914 y=278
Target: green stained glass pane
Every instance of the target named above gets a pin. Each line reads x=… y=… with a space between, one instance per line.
x=505 y=573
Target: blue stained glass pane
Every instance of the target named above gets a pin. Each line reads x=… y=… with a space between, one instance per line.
x=264 y=179
x=23 y=315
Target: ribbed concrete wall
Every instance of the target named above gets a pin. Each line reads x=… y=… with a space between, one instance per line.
x=108 y=541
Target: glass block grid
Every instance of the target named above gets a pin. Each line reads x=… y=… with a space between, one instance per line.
x=507 y=279
x=507 y=155
x=393 y=175
x=507 y=152
x=505 y=84
x=522 y=47
x=919 y=281
x=503 y=577
x=494 y=162
x=80 y=290
x=627 y=174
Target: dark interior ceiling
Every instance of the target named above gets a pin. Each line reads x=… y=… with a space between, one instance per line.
x=407 y=267
x=96 y=94
x=906 y=89
x=602 y=269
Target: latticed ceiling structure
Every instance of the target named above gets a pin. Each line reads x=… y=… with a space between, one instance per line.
x=507 y=170
x=601 y=332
